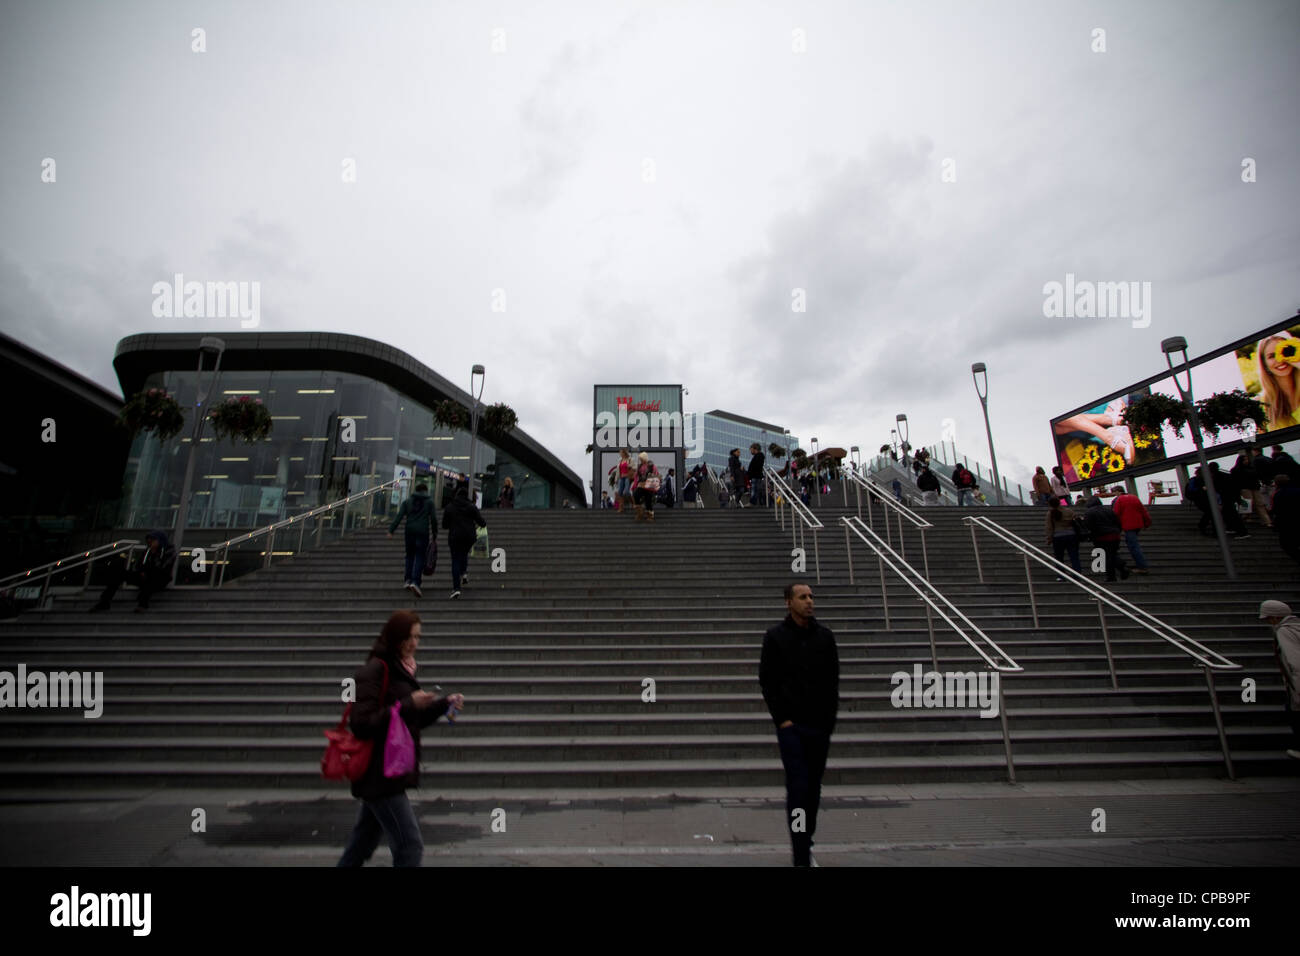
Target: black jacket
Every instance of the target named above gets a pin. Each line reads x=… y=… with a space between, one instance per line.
x=756 y=466
x=928 y=481
x=1244 y=473
x=370 y=718
x=158 y=564
x=800 y=674
x=461 y=519
x=1102 y=522
x=418 y=512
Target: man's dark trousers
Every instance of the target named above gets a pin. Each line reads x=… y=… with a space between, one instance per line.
x=149 y=580
x=803 y=752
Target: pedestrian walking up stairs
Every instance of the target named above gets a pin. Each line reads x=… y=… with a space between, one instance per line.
x=608 y=652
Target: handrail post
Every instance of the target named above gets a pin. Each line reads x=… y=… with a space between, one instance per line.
x=270 y=547
x=817 y=556
x=857 y=489
x=844 y=486
x=343 y=525
x=974 y=540
x=925 y=554
x=929 y=623
x=1105 y=637
x=1218 y=720
x=1029 y=582
x=320 y=526
x=902 y=542
x=884 y=594
x=848 y=549
x=1006 y=733
x=302 y=530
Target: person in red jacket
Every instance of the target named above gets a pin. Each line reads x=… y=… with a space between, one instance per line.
x=1133 y=518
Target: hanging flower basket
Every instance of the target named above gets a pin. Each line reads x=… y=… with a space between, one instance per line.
x=799 y=455
x=153 y=411
x=884 y=449
x=241 y=419
x=590 y=449
x=775 y=450
x=1145 y=416
x=452 y=415
x=1225 y=410
x=499 y=419
x=1230 y=410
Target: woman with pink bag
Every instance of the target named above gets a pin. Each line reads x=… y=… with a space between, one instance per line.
x=387 y=689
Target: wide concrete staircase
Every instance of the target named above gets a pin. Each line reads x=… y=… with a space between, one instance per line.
x=232 y=688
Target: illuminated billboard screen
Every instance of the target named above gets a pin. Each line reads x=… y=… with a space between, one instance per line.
x=1094 y=443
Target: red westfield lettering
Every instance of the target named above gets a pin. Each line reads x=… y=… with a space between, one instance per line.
x=631 y=406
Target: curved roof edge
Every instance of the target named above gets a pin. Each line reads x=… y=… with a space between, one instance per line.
x=139 y=355
x=59 y=374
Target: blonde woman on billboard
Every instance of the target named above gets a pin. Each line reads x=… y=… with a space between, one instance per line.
x=1278 y=383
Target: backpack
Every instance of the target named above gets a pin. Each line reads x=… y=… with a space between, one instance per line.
x=1080 y=527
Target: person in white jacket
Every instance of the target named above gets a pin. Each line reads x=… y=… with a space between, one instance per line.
x=1286 y=630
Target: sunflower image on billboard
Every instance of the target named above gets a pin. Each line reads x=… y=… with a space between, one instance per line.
x=1268 y=372
x=1096 y=443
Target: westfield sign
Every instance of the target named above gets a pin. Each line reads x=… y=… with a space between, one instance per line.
x=634 y=406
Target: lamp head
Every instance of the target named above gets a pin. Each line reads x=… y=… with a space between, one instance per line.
x=977 y=368
x=210 y=343
x=477 y=370
x=1173 y=344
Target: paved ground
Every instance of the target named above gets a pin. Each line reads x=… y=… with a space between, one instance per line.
x=1147 y=823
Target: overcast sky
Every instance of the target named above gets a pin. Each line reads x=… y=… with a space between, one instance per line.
x=649 y=183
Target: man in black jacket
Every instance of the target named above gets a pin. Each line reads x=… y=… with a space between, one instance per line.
x=462 y=521
x=152 y=575
x=800 y=675
x=928 y=483
x=421 y=523
x=1104 y=529
x=756 y=496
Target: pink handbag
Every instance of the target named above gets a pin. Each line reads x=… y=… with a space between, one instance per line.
x=399 y=750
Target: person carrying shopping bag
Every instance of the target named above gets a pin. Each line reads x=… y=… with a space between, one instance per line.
x=386 y=688
x=462 y=521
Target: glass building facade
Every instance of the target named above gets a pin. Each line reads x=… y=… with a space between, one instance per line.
x=335 y=433
x=718 y=432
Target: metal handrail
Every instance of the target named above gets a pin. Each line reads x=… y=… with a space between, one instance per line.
x=71 y=561
x=808 y=520
x=887 y=501
x=300 y=520
x=885 y=555
x=88 y=558
x=1102 y=596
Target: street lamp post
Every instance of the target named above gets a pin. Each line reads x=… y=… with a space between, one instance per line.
x=903 y=433
x=855 y=456
x=893 y=440
x=209 y=343
x=976 y=371
x=476 y=372
x=1179 y=344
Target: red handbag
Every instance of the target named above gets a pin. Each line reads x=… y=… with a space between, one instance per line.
x=346 y=755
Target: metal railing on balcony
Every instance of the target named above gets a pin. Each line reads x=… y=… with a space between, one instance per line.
x=935 y=602
x=1209 y=660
